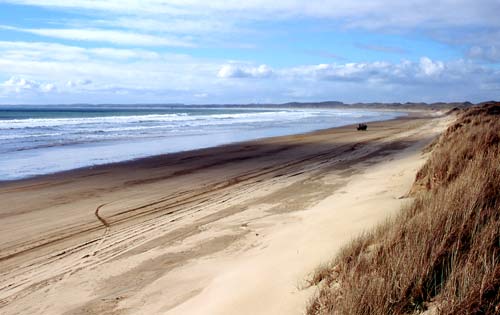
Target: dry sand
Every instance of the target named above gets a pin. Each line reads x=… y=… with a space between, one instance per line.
x=236 y=229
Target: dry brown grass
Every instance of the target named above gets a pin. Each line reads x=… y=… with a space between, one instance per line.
x=442 y=250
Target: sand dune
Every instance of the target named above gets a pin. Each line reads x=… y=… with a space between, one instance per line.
x=228 y=230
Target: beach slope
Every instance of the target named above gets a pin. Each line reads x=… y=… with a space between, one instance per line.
x=235 y=229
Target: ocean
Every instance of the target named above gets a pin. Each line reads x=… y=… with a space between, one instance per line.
x=37 y=140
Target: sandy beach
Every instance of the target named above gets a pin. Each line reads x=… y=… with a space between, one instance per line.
x=236 y=229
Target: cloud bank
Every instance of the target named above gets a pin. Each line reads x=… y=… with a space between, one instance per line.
x=169 y=51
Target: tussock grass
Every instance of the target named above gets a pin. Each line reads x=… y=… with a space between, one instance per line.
x=442 y=252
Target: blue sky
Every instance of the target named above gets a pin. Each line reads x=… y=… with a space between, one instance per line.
x=256 y=51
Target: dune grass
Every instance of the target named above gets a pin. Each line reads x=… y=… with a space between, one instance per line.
x=441 y=254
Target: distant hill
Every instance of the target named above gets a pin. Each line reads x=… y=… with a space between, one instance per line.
x=336 y=104
x=325 y=104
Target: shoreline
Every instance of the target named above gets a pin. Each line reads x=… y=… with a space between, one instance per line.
x=183 y=231
x=23 y=164
x=409 y=114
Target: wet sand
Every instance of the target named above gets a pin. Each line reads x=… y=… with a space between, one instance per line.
x=234 y=229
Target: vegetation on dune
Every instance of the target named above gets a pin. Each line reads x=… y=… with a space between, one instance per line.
x=441 y=254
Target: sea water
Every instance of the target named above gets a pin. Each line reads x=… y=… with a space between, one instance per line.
x=36 y=140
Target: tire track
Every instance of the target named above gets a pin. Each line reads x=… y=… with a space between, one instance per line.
x=96 y=213
x=78 y=264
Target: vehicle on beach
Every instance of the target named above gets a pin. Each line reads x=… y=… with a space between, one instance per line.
x=362 y=127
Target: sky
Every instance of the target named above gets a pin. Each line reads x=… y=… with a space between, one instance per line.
x=252 y=51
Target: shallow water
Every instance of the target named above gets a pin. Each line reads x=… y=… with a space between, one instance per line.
x=37 y=140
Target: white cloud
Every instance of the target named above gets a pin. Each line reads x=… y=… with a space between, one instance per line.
x=188 y=80
x=48 y=87
x=488 y=53
x=204 y=25
x=52 y=51
x=78 y=83
x=74 y=74
x=370 y=13
x=101 y=70
x=109 y=36
x=240 y=71
x=425 y=72
x=186 y=23
x=114 y=53
x=431 y=68
x=122 y=6
x=20 y=85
